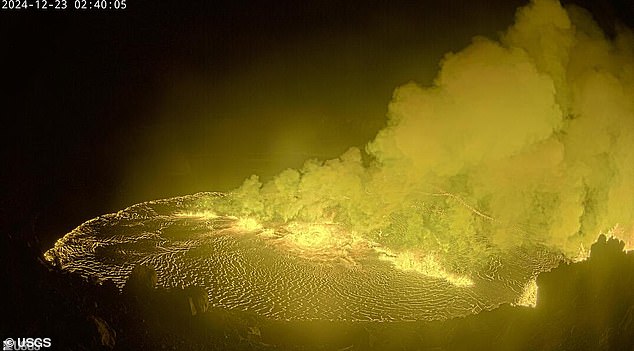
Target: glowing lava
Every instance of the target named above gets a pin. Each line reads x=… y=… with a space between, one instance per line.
x=292 y=271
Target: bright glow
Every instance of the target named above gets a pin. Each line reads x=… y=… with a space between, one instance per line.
x=624 y=234
x=427 y=265
x=248 y=224
x=332 y=240
x=315 y=235
x=321 y=242
x=197 y=214
x=529 y=296
x=583 y=254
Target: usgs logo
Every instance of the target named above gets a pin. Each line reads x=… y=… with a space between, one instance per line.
x=25 y=344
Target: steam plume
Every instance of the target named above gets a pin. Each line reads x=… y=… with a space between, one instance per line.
x=525 y=139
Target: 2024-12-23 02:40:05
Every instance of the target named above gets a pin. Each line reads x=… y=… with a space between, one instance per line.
x=63 y=4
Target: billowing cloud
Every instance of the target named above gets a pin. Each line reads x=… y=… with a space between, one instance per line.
x=525 y=139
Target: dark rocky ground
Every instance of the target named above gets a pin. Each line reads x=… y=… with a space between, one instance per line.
x=581 y=306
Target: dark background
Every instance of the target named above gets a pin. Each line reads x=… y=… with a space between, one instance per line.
x=104 y=109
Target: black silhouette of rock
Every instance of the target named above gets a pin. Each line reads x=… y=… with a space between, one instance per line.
x=142 y=280
x=198 y=300
x=107 y=335
x=589 y=305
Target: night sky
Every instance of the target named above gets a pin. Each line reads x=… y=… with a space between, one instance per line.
x=104 y=109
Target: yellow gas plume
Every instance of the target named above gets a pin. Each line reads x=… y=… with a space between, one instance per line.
x=527 y=139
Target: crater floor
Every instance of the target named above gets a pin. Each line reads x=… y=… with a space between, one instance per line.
x=252 y=268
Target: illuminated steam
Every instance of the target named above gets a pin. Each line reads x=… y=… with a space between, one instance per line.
x=523 y=140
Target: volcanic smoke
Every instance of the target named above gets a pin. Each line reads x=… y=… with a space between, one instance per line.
x=522 y=140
